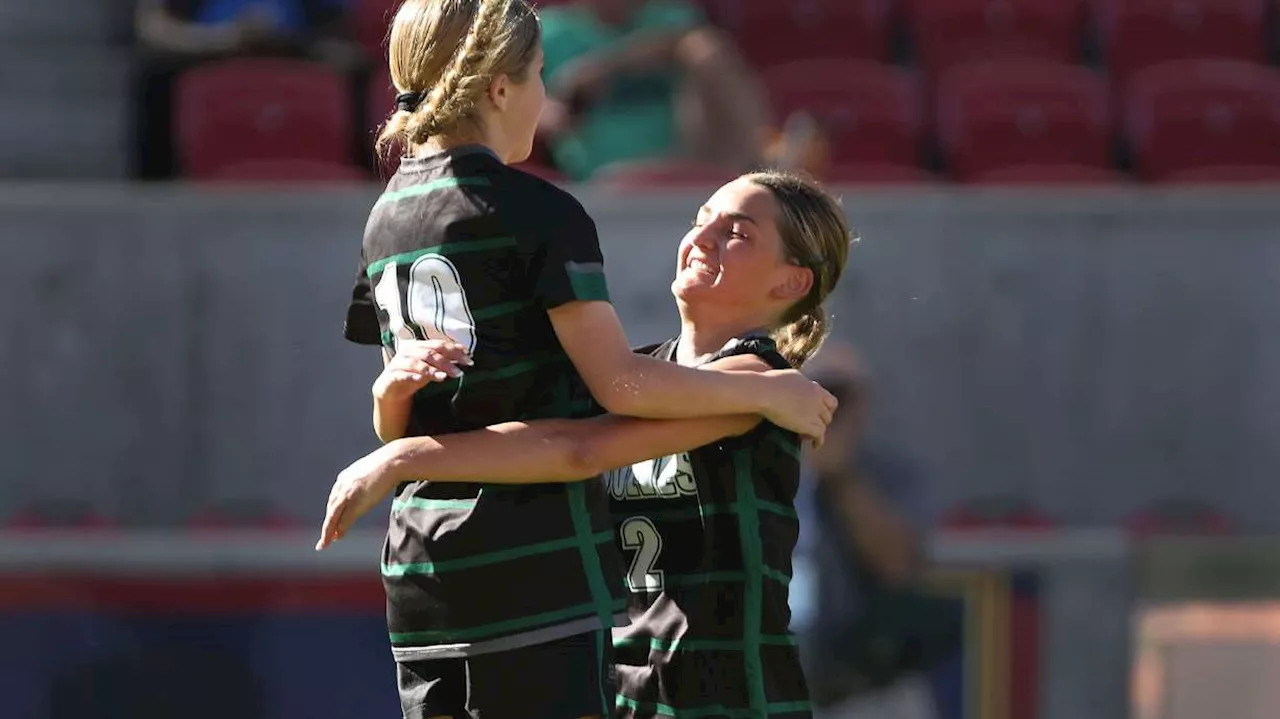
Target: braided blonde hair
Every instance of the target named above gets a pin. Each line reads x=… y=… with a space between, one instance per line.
x=448 y=52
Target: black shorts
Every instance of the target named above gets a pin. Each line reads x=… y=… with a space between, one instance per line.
x=565 y=679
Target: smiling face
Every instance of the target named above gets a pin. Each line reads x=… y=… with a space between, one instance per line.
x=734 y=256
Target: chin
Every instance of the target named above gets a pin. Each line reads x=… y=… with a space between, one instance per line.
x=684 y=288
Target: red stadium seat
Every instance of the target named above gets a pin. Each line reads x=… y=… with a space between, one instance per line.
x=239 y=110
x=372 y=20
x=1226 y=175
x=949 y=32
x=661 y=173
x=1140 y=33
x=1188 y=114
x=993 y=115
x=875 y=174
x=869 y=112
x=1051 y=175
x=288 y=171
x=770 y=32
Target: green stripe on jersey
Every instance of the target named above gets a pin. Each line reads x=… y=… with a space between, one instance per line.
x=429 y=187
x=753 y=597
x=775 y=508
x=432 y=505
x=587 y=280
x=480 y=560
x=587 y=549
x=510 y=626
x=451 y=249
x=715 y=710
x=704 y=645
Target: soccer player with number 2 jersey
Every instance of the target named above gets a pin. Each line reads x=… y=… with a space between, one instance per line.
x=702 y=508
x=500 y=598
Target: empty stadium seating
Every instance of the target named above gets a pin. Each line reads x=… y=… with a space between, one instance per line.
x=948 y=32
x=242 y=110
x=1139 y=33
x=870 y=112
x=1185 y=115
x=995 y=115
x=771 y=32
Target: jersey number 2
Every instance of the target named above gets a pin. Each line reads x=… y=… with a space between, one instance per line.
x=437 y=304
x=639 y=535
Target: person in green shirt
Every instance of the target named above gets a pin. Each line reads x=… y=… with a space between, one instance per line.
x=634 y=80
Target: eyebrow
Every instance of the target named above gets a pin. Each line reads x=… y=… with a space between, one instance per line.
x=740 y=216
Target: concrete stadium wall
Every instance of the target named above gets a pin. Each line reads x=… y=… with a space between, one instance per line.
x=168 y=347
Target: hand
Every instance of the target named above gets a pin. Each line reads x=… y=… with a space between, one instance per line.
x=359 y=488
x=418 y=363
x=795 y=402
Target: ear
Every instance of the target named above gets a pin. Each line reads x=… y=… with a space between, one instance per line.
x=499 y=91
x=794 y=284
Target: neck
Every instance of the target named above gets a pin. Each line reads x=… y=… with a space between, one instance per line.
x=702 y=334
x=442 y=143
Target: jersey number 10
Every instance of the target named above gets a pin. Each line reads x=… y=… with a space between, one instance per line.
x=434 y=299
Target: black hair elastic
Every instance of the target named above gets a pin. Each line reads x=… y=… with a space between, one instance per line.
x=408 y=101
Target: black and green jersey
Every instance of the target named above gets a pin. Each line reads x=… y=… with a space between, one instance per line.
x=464 y=247
x=709 y=535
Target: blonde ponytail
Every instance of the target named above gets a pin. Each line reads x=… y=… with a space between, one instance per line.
x=801 y=339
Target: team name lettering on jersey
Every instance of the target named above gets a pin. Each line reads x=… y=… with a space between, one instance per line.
x=663 y=478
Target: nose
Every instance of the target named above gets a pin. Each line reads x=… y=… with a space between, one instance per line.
x=704 y=237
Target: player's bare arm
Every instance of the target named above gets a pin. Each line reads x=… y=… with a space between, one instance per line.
x=414 y=365
x=555 y=450
x=626 y=383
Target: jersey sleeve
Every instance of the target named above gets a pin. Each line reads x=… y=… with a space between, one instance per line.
x=564 y=259
x=361 y=325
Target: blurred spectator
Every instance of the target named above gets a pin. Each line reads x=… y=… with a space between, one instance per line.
x=175 y=34
x=646 y=80
x=864 y=513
